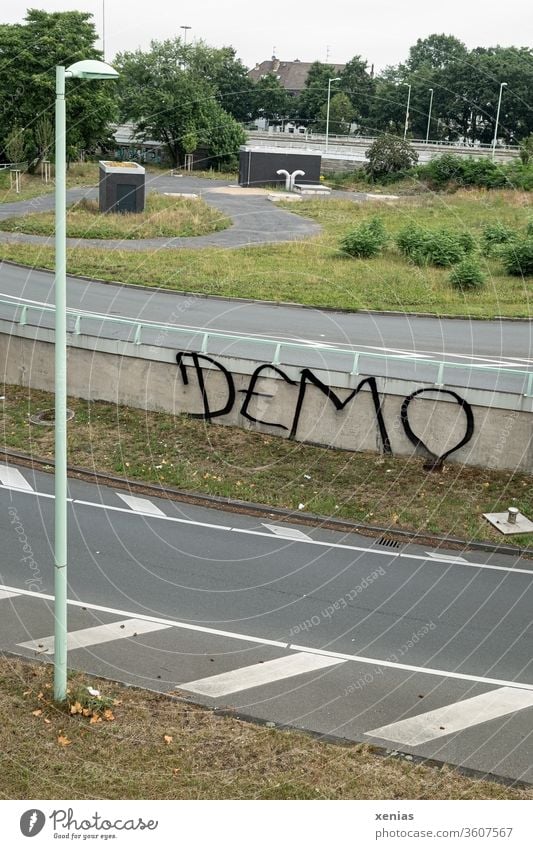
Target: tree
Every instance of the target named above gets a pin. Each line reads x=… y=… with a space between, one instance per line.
x=356 y=82
x=29 y=53
x=436 y=52
x=227 y=76
x=315 y=91
x=169 y=96
x=389 y=155
x=17 y=145
x=341 y=114
x=271 y=100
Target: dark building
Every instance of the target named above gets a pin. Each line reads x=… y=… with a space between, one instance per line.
x=258 y=166
x=121 y=187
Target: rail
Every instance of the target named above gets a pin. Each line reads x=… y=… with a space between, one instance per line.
x=274 y=349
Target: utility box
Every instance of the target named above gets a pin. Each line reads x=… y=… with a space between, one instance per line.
x=122 y=187
x=258 y=166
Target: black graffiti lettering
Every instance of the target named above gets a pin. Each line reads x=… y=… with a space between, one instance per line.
x=437 y=459
x=307 y=376
x=250 y=392
x=208 y=413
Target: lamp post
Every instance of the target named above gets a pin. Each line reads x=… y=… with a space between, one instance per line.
x=429 y=114
x=185 y=28
x=331 y=80
x=502 y=86
x=406 y=125
x=89 y=69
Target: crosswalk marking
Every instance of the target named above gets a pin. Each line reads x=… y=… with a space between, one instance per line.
x=13 y=479
x=455 y=717
x=286 y=532
x=94 y=636
x=7 y=594
x=259 y=674
x=141 y=505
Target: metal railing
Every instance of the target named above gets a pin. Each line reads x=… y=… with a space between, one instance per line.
x=139 y=330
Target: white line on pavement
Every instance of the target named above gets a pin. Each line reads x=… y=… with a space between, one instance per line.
x=141 y=505
x=13 y=479
x=7 y=594
x=455 y=717
x=258 y=674
x=98 y=634
x=286 y=532
x=247 y=638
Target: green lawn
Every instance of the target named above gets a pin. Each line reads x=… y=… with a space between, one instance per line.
x=315 y=272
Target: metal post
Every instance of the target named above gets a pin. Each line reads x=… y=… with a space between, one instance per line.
x=60 y=511
x=332 y=80
x=502 y=85
x=407 y=111
x=429 y=114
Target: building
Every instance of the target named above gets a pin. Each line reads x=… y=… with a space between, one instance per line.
x=292 y=75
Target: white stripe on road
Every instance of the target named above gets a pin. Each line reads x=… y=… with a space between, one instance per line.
x=258 y=674
x=456 y=717
x=98 y=634
x=141 y=505
x=443 y=558
x=264 y=641
x=287 y=532
x=13 y=479
x=7 y=594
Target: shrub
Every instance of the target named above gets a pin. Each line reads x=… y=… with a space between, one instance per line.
x=496 y=234
x=467 y=275
x=410 y=240
x=366 y=240
x=389 y=155
x=467 y=241
x=434 y=247
x=517 y=257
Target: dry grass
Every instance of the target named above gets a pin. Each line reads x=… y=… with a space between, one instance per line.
x=205 y=756
x=226 y=461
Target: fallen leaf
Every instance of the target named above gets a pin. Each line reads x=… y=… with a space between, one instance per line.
x=39 y=695
x=109 y=715
x=168 y=739
x=37 y=712
x=176 y=770
x=87 y=712
x=94 y=719
x=76 y=708
x=63 y=741
x=48 y=721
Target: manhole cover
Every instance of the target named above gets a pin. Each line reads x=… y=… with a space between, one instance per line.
x=48 y=417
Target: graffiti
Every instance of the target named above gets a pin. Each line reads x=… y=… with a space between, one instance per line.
x=308 y=378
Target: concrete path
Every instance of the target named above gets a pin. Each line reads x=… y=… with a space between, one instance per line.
x=256 y=220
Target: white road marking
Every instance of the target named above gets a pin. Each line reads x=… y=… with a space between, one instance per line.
x=141 y=505
x=248 y=638
x=258 y=674
x=455 y=717
x=309 y=541
x=7 y=594
x=287 y=532
x=98 y=634
x=13 y=479
x=443 y=558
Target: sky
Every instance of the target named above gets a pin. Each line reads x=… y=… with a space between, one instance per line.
x=381 y=31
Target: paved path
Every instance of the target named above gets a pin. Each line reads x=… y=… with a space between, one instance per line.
x=423 y=651
x=256 y=220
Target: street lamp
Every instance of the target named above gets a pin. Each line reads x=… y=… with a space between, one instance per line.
x=502 y=86
x=331 y=80
x=185 y=28
x=429 y=114
x=89 y=69
x=407 y=110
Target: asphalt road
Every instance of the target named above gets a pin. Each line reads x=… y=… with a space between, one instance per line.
x=427 y=652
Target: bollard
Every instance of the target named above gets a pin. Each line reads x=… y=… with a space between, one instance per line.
x=512 y=515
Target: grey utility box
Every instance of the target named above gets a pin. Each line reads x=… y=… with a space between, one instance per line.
x=258 y=166
x=121 y=187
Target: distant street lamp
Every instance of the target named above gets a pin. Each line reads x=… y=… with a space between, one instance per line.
x=89 y=69
x=331 y=80
x=185 y=28
x=429 y=114
x=407 y=110
x=502 y=86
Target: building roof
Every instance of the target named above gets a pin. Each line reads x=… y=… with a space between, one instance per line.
x=292 y=75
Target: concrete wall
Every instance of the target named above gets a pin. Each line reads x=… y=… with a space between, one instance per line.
x=149 y=378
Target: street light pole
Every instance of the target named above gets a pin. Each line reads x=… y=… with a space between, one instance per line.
x=89 y=69
x=429 y=114
x=331 y=80
x=407 y=111
x=185 y=28
x=502 y=86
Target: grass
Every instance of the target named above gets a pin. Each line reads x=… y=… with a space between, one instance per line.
x=155 y=748
x=315 y=272
x=32 y=185
x=226 y=461
x=162 y=216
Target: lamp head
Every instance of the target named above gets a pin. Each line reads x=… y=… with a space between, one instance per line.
x=91 y=69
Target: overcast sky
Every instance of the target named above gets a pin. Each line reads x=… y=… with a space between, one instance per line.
x=379 y=30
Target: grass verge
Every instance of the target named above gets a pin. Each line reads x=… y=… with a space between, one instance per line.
x=33 y=185
x=230 y=462
x=162 y=216
x=149 y=747
x=315 y=272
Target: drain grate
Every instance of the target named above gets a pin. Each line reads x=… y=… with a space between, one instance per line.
x=388 y=542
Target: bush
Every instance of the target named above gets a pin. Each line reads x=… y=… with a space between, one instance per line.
x=467 y=275
x=451 y=169
x=366 y=240
x=517 y=257
x=496 y=234
x=389 y=155
x=441 y=248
